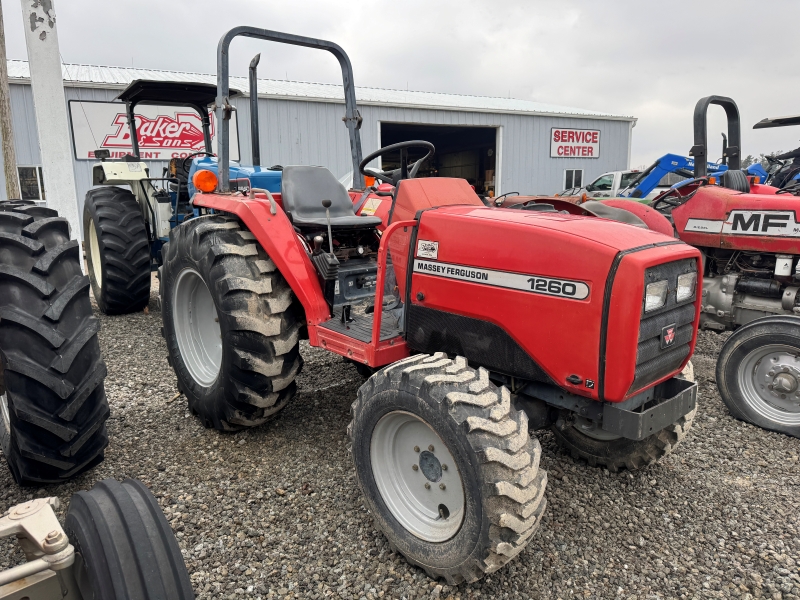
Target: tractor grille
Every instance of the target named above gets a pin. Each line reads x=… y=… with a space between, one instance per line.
x=652 y=361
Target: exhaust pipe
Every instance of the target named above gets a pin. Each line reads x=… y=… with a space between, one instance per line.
x=254 y=110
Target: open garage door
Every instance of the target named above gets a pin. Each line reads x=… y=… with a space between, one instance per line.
x=466 y=152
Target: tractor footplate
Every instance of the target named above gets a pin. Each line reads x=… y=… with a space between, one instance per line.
x=673 y=399
x=360 y=327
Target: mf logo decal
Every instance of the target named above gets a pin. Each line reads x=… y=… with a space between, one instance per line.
x=548 y=286
x=767 y=223
x=426 y=249
x=668 y=335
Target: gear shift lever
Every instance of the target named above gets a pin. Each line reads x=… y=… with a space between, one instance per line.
x=327 y=205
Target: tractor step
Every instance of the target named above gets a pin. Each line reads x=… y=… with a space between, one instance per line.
x=360 y=327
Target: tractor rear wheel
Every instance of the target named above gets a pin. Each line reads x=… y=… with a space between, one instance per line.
x=230 y=329
x=447 y=467
x=758 y=374
x=117 y=250
x=583 y=439
x=124 y=546
x=53 y=405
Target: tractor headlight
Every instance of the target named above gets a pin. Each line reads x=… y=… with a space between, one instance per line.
x=655 y=295
x=686 y=286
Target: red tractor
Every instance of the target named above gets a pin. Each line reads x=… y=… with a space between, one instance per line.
x=748 y=234
x=477 y=327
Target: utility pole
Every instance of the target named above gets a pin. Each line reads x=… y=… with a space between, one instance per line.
x=47 y=85
x=6 y=130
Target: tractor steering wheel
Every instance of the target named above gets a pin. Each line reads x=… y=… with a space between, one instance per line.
x=406 y=171
x=191 y=156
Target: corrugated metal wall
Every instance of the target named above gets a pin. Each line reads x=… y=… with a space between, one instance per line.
x=301 y=132
x=313 y=133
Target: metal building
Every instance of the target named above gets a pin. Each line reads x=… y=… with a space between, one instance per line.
x=499 y=144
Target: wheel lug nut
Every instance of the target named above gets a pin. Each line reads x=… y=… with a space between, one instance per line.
x=415 y=467
x=444 y=467
x=427 y=485
x=430 y=448
x=416 y=448
x=442 y=486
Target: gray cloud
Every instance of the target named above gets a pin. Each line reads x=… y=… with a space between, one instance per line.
x=646 y=59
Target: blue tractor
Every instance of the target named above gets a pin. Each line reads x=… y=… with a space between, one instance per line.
x=648 y=179
x=124 y=229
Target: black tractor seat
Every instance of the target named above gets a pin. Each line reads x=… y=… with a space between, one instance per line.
x=304 y=188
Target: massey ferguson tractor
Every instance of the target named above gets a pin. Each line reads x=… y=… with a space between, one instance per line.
x=478 y=326
x=748 y=235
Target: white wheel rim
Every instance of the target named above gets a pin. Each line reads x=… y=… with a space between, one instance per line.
x=94 y=252
x=197 y=327
x=5 y=425
x=400 y=442
x=769 y=378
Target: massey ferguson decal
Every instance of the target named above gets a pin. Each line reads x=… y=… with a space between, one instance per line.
x=164 y=132
x=767 y=223
x=668 y=335
x=575 y=290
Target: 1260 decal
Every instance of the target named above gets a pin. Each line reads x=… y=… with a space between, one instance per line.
x=548 y=286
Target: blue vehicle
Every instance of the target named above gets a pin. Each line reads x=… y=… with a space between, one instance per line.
x=125 y=229
x=648 y=179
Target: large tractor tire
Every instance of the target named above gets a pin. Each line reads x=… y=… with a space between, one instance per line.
x=117 y=250
x=447 y=467
x=124 y=546
x=758 y=374
x=231 y=333
x=584 y=440
x=53 y=406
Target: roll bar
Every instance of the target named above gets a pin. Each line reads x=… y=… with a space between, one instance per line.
x=699 y=151
x=223 y=108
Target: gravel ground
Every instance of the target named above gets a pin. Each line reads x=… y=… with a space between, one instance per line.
x=276 y=512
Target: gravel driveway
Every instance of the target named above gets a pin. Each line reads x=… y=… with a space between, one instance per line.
x=276 y=512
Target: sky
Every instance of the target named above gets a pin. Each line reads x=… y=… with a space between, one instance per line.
x=650 y=60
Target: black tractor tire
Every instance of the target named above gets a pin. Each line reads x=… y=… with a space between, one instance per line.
x=621 y=453
x=115 y=235
x=738 y=370
x=258 y=331
x=124 y=546
x=494 y=457
x=53 y=405
x=735 y=179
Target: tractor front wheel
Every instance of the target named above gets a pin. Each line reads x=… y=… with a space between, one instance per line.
x=758 y=374
x=117 y=250
x=447 y=467
x=231 y=333
x=583 y=439
x=124 y=546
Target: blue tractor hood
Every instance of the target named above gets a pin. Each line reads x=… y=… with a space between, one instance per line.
x=260 y=177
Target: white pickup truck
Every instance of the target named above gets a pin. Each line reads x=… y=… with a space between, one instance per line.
x=609 y=185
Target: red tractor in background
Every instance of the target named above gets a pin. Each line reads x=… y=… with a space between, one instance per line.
x=496 y=323
x=749 y=236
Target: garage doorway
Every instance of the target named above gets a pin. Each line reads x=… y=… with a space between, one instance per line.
x=466 y=152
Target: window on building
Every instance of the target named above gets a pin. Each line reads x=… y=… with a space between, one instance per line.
x=573 y=178
x=31 y=183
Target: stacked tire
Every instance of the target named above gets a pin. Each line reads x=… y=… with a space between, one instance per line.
x=53 y=406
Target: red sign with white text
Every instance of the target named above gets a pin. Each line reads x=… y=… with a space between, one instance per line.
x=163 y=132
x=574 y=143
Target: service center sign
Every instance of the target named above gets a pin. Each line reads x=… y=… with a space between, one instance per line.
x=574 y=143
x=164 y=132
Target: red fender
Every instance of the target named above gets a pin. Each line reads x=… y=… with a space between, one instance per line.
x=279 y=240
x=654 y=220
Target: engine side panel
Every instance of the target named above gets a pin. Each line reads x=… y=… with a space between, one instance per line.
x=533 y=277
x=721 y=218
